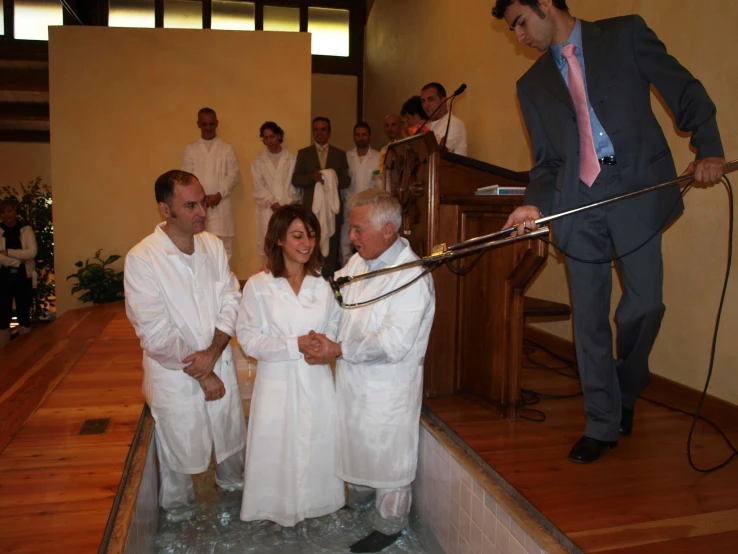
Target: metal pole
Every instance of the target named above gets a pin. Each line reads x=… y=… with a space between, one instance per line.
x=501 y=238
x=442 y=256
x=730 y=166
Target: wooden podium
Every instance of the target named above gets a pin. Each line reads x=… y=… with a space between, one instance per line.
x=477 y=337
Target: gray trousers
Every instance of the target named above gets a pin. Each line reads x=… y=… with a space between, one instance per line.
x=391 y=506
x=610 y=383
x=176 y=490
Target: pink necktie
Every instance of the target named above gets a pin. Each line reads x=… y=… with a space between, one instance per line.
x=589 y=165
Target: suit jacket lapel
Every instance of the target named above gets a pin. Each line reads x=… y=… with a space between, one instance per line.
x=554 y=82
x=315 y=160
x=594 y=56
x=330 y=159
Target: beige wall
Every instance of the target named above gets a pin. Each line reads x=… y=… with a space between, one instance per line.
x=334 y=97
x=23 y=162
x=404 y=51
x=124 y=104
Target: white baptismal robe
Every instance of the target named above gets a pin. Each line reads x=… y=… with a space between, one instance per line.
x=175 y=302
x=379 y=377
x=292 y=432
x=456 y=141
x=326 y=205
x=214 y=164
x=272 y=184
x=361 y=172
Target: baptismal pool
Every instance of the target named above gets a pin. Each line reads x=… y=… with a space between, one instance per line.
x=213 y=527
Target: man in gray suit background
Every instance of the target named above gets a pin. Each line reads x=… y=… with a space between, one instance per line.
x=310 y=161
x=587 y=107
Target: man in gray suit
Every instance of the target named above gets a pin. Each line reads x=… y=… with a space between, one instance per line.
x=309 y=162
x=587 y=107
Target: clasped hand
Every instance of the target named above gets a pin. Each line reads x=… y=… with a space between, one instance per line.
x=201 y=368
x=201 y=363
x=317 y=348
x=213 y=199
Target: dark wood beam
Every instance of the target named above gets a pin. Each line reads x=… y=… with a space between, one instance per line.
x=9 y=135
x=9 y=18
x=207 y=14
x=24 y=80
x=24 y=111
x=23 y=50
x=158 y=13
x=259 y=17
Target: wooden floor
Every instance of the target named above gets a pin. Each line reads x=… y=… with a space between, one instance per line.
x=642 y=497
x=57 y=487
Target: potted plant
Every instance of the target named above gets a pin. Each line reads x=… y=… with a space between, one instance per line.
x=102 y=284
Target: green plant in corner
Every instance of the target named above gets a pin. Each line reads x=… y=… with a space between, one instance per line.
x=34 y=208
x=102 y=284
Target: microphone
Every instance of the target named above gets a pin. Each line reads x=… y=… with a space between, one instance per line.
x=458 y=91
x=336 y=290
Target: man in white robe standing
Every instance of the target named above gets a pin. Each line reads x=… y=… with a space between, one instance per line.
x=363 y=162
x=213 y=161
x=272 y=185
x=182 y=300
x=379 y=354
x=444 y=124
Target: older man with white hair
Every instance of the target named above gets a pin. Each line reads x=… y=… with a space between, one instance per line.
x=379 y=370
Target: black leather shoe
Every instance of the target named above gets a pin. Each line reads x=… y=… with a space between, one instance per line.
x=588 y=450
x=374 y=542
x=626 y=422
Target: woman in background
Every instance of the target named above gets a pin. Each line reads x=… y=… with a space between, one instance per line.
x=272 y=179
x=413 y=116
x=292 y=424
x=17 y=252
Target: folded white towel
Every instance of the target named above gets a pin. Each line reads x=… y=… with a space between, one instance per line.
x=326 y=205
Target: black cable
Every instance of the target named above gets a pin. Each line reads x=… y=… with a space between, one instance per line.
x=536 y=416
x=609 y=260
x=462 y=271
x=714 y=347
x=390 y=293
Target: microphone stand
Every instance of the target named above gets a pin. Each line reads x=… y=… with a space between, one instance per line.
x=458 y=91
x=442 y=253
x=448 y=124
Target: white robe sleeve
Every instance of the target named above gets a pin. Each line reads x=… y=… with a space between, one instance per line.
x=263 y=195
x=145 y=309
x=253 y=341
x=28 y=238
x=231 y=295
x=334 y=318
x=457 y=137
x=188 y=160
x=10 y=262
x=396 y=334
x=230 y=179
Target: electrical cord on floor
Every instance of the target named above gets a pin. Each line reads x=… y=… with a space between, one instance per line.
x=531 y=397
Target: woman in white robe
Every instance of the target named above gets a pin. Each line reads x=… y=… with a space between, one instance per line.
x=272 y=173
x=292 y=426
